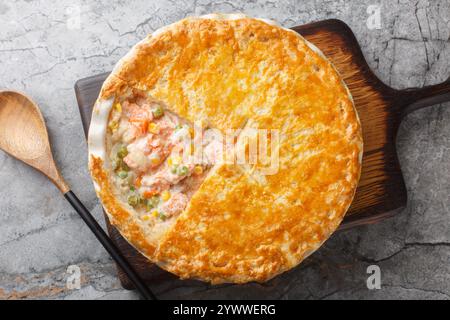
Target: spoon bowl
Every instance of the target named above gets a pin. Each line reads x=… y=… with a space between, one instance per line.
x=23 y=135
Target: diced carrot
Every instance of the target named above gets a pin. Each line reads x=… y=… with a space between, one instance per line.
x=138 y=182
x=148 y=194
x=141 y=124
x=135 y=119
x=144 y=126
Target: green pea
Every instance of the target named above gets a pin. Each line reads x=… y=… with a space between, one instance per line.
x=182 y=171
x=158 y=112
x=133 y=200
x=122 y=152
x=124 y=166
x=122 y=174
x=115 y=164
x=155 y=200
x=173 y=169
x=150 y=206
x=132 y=189
x=152 y=202
x=162 y=216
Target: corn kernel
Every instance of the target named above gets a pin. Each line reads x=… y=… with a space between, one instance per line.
x=113 y=125
x=155 y=160
x=176 y=160
x=198 y=170
x=155 y=213
x=146 y=217
x=118 y=107
x=165 y=195
x=153 y=128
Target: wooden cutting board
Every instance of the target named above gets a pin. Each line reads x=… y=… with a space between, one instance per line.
x=381 y=191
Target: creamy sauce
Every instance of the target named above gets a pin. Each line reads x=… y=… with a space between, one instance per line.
x=151 y=154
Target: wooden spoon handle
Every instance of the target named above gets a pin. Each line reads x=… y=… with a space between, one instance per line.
x=145 y=292
x=417 y=98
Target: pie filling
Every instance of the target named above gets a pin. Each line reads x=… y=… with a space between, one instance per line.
x=154 y=167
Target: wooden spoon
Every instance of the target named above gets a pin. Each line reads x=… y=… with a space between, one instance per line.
x=23 y=135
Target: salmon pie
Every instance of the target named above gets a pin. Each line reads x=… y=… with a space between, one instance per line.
x=164 y=182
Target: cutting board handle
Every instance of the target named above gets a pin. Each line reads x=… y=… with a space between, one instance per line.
x=417 y=98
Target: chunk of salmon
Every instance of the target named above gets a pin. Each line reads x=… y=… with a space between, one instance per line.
x=175 y=205
x=135 y=112
x=163 y=179
x=137 y=119
x=137 y=161
x=144 y=154
x=157 y=182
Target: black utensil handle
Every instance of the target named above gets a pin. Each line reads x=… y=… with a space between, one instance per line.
x=109 y=246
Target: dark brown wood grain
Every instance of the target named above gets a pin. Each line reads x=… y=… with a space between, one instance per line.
x=381 y=192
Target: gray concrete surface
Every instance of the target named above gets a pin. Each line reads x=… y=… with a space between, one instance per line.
x=45 y=46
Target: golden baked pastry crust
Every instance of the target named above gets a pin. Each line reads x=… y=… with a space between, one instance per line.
x=234 y=73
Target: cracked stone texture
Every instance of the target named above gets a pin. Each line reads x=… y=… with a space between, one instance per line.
x=44 y=49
